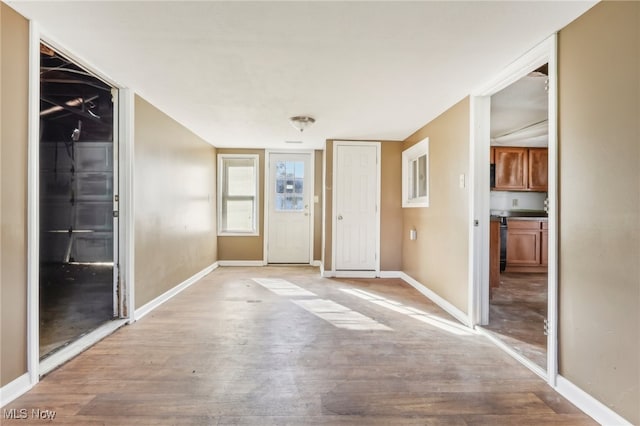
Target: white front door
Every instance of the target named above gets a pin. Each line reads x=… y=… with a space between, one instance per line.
x=356 y=184
x=289 y=217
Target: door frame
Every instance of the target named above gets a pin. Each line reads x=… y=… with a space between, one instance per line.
x=545 y=52
x=267 y=198
x=124 y=235
x=334 y=212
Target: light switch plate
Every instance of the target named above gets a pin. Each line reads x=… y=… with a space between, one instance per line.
x=462 y=181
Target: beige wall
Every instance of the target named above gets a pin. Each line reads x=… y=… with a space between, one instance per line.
x=249 y=247
x=390 y=206
x=438 y=258
x=14 y=66
x=599 y=143
x=175 y=199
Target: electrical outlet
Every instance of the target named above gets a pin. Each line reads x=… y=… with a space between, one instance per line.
x=514 y=202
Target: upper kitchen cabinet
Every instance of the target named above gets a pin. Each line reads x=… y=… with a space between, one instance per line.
x=520 y=169
x=511 y=168
x=538 y=169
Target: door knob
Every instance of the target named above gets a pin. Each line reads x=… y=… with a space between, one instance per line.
x=339 y=217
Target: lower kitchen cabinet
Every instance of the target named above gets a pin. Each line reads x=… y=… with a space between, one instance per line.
x=526 y=246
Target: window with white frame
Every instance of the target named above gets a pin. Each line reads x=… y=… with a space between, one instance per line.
x=237 y=194
x=415 y=175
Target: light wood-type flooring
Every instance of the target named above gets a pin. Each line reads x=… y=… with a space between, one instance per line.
x=517 y=311
x=296 y=349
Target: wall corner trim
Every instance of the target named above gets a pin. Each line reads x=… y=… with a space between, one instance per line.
x=591 y=406
x=15 y=388
x=438 y=300
x=150 y=306
x=390 y=274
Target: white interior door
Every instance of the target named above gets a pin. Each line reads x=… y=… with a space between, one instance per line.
x=289 y=217
x=356 y=184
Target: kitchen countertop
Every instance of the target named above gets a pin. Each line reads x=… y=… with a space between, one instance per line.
x=521 y=214
x=538 y=219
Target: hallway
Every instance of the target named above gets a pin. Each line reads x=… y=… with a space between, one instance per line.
x=280 y=345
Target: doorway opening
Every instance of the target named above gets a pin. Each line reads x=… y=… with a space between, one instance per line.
x=78 y=197
x=518 y=254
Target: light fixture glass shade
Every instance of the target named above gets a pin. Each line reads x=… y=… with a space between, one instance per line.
x=301 y=122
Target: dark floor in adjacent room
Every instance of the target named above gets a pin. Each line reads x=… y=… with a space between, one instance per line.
x=517 y=311
x=74 y=300
x=283 y=346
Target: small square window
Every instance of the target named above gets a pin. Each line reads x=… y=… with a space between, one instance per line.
x=415 y=175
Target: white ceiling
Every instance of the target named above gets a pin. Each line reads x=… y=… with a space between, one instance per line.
x=233 y=72
x=519 y=113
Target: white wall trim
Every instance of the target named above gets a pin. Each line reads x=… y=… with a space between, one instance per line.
x=391 y=274
x=438 y=300
x=317 y=263
x=150 y=306
x=241 y=263
x=33 y=206
x=127 y=202
x=15 y=388
x=591 y=406
x=552 y=195
x=78 y=346
x=355 y=274
x=327 y=274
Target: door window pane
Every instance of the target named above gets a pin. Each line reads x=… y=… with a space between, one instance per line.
x=289 y=186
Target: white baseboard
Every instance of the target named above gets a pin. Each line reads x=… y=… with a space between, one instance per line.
x=452 y=310
x=355 y=274
x=591 y=406
x=317 y=263
x=14 y=389
x=240 y=263
x=78 y=346
x=390 y=274
x=326 y=274
x=150 y=306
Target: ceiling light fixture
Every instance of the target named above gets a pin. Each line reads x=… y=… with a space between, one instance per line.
x=301 y=122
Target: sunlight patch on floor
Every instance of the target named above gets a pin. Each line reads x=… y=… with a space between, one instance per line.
x=340 y=316
x=441 y=323
x=283 y=287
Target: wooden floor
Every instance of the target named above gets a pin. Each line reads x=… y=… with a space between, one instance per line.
x=230 y=350
x=517 y=312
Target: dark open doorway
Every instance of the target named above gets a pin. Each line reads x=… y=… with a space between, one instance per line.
x=77 y=182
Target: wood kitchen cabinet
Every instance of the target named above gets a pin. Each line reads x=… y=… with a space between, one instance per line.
x=494 y=255
x=527 y=246
x=538 y=169
x=520 y=169
x=511 y=168
x=544 y=250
